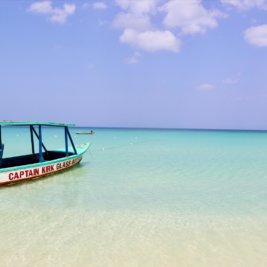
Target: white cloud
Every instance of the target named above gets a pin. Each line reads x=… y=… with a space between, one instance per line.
x=44 y=7
x=54 y=14
x=246 y=4
x=154 y=25
x=257 y=35
x=100 y=5
x=136 y=14
x=138 y=30
x=138 y=6
x=151 y=41
x=134 y=59
x=133 y=21
x=189 y=17
x=205 y=87
x=230 y=81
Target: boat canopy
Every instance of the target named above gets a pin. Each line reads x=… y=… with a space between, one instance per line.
x=28 y=123
x=33 y=126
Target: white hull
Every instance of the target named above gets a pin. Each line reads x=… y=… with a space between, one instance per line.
x=33 y=171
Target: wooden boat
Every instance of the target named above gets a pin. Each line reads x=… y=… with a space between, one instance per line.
x=44 y=162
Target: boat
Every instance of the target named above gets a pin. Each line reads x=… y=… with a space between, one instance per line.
x=91 y=132
x=41 y=162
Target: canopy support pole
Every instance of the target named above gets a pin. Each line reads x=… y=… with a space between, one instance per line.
x=36 y=134
x=32 y=140
x=72 y=143
x=40 y=144
x=66 y=141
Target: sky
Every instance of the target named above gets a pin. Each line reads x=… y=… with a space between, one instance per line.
x=135 y=63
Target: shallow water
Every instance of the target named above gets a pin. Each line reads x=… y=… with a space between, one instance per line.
x=141 y=198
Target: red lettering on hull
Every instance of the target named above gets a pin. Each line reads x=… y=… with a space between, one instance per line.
x=15 y=176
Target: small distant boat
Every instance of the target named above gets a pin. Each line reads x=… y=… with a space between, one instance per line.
x=44 y=162
x=91 y=132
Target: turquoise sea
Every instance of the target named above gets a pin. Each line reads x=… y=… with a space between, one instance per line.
x=151 y=198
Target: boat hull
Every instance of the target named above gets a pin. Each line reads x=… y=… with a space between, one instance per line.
x=34 y=171
x=38 y=170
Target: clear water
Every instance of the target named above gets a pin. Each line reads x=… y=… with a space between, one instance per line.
x=141 y=198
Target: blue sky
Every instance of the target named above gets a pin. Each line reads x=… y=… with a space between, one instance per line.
x=135 y=63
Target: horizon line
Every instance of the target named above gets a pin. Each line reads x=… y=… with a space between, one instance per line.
x=174 y=128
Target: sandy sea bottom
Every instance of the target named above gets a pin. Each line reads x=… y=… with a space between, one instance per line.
x=144 y=198
x=71 y=238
